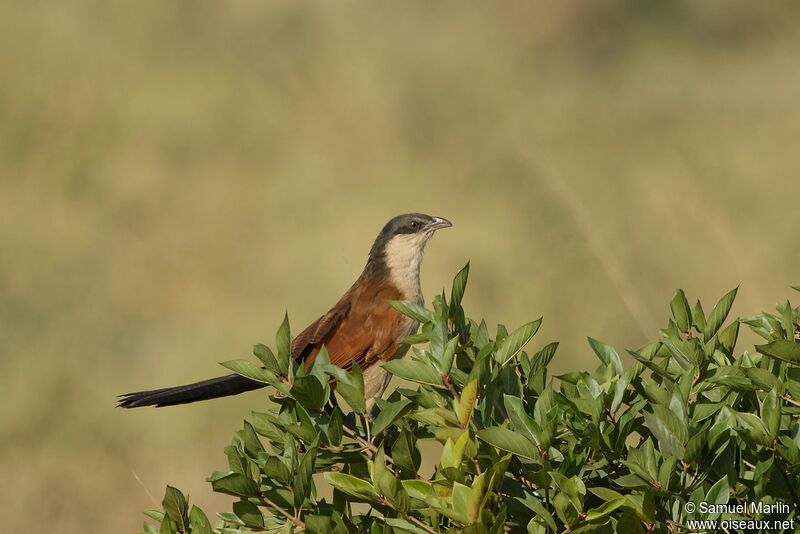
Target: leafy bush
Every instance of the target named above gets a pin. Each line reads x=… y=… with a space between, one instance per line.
x=617 y=449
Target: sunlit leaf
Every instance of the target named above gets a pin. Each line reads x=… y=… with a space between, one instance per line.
x=414 y=371
x=250 y=370
x=510 y=441
x=467 y=402
x=283 y=342
x=199 y=521
x=389 y=414
x=607 y=354
x=787 y=351
x=719 y=313
x=681 y=311
x=411 y=309
x=235 y=484
x=515 y=341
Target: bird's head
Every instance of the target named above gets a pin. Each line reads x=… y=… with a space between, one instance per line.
x=398 y=249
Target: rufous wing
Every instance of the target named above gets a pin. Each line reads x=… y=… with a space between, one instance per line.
x=361 y=327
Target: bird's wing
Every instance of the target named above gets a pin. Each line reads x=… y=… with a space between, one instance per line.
x=311 y=339
x=364 y=329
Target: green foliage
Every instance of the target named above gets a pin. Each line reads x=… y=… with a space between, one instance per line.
x=613 y=450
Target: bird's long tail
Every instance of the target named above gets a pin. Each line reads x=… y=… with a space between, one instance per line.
x=213 y=388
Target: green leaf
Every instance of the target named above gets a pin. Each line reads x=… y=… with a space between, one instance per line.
x=411 y=309
x=431 y=416
x=466 y=403
x=401 y=525
x=719 y=313
x=607 y=355
x=389 y=414
x=176 y=507
x=459 y=448
x=515 y=341
x=319 y=524
x=235 y=484
x=666 y=472
x=705 y=410
x=729 y=335
x=771 y=413
x=460 y=498
x=459 y=285
x=520 y=420
x=168 y=526
x=604 y=509
x=448 y=355
x=667 y=428
x=308 y=391
x=236 y=459
x=405 y=453
x=508 y=440
x=275 y=468
x=304 y=428
x=606 y=494
x=540 y=510
x=453 y=452
x=157 y=515
x=565 y=509
x=250 y=370
x=681 y=311
x=251 y=442
x=649 y=507
x=729 y=375
x=480 y=335
x=387 y=484
x=437 y=335
x=647 y=362
x=335 y=426
x=475 y=498
x=249 y=513
x=302 y=480
x=632 y=481
x=629 y=523
x=263 y=353
x=413 y=371
x=283 y=342
x=787 y=320
x=698 y=317
x=719 y=493
x=230 y=517
x=418 y=489
x=352 y=389
x=265 y=425
x=787 y=351
x=752 y=427
x=351 y=485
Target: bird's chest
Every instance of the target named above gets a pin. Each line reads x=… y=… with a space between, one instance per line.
x=403 y=257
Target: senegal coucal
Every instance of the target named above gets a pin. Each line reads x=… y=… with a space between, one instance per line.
x=360 y=327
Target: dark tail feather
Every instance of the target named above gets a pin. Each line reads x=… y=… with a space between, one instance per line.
x=222 y=386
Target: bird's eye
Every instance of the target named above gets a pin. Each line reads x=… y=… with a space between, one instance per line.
x=414 y=224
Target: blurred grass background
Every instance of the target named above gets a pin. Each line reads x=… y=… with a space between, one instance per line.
x=174 y=175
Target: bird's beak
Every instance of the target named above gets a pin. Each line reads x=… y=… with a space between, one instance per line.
x=439 y=222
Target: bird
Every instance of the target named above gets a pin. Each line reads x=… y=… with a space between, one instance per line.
x=361 y=327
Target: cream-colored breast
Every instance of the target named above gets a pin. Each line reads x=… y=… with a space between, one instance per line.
x=403 y=257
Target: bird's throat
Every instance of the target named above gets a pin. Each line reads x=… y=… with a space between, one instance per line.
x=402 y=257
